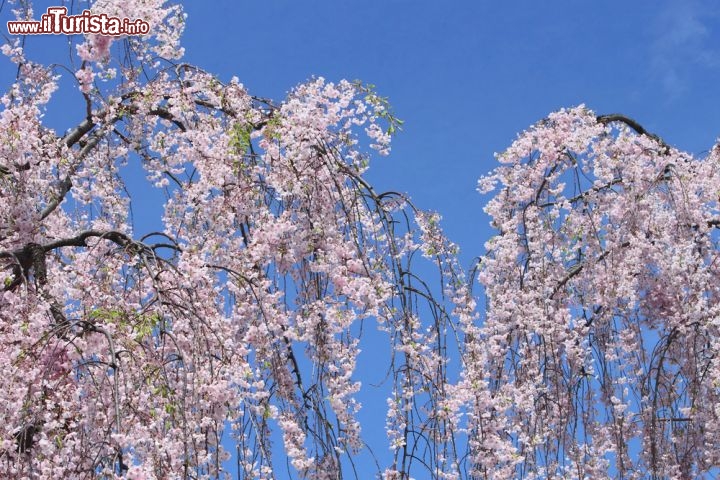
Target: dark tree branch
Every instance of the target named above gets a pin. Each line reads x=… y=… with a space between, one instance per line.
x=577 y=268
x=24 y=438
x=74 y=135
x=80 y=240
x=639 y=129
x=32 y=255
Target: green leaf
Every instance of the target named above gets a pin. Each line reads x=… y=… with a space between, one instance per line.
x=240 y=137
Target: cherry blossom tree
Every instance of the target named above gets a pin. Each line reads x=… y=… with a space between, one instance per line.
x=133 y=355
x=225 y=343
x=598 y=356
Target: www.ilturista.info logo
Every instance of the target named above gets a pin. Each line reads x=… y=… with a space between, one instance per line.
x=57 y=22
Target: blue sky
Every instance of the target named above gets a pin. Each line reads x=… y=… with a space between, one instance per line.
x=466 y=76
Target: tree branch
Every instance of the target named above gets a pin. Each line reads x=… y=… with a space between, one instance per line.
x=577 y=268
x=639 y=129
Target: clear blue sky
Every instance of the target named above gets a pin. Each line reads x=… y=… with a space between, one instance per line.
x=466 y=76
